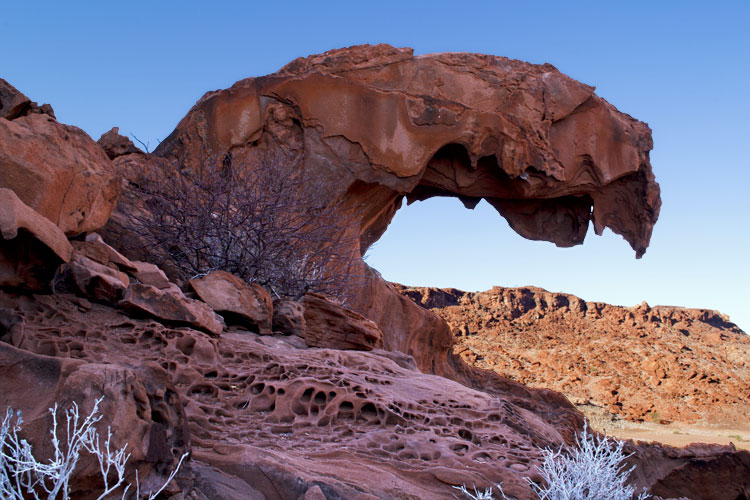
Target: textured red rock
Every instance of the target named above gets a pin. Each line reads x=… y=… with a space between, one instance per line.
x=467 y=125
x=330 y=325
x=171 y=307
x=140 y=406
x=270 y=419
x=660 y=363
x=13 y=104
x=381 y=125
x=289 y=317
x=98 y=281
x=239 y=302
x=96 y=249
x=116 y=145
x=31 y=247
x=59 y=171
x=151 y=274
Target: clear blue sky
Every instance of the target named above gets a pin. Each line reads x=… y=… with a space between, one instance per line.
x=683 y=67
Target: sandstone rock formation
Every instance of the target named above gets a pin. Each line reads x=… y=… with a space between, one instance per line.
x=289 y=317
x=31 y=246
x=171 y=307
x=13 y=104
x=59 y=171
x=140 y=406
x=382 y=125
x=116 y=145
x=330 y=325
x=240 y=303
x=369 y=403
x=660 y=364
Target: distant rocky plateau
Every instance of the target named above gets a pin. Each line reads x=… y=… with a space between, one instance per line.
x=396 y=393
x=660 y=364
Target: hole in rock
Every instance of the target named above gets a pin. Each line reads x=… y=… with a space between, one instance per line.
x=307 y=395
x=320 y=398
x=449 y=246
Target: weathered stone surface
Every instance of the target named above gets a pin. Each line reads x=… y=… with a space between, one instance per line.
x=116 y=145
x=249 y=305
x=381 y=125
x=330 y=325
x=282 y=419
x=171 y=307
x=59 y=171
x=289 y=317
x=150 y=274
x=96 y=249
x=140 y=406
x=98 y=281
x=31 y=248
x=658 y=364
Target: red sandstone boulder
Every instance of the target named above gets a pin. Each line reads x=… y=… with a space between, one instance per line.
x=151 y=274
x=59 y=171
x=31 y=247
x=96 y=249
x=13 y=104
x=171 y=307
x=238 y=302
x=116 y=145
x=330 y=325
x=98 y=281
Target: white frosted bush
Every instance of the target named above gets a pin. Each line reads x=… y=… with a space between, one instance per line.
x=22 y=476
x=592 y=470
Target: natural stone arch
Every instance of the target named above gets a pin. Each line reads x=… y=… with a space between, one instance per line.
x=381 y=125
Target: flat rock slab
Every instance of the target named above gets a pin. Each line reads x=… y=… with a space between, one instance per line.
x=171 y=307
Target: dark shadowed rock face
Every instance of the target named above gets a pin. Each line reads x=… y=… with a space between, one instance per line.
x=31 y=246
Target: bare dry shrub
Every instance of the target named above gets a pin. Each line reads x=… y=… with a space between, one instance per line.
x=261 y=218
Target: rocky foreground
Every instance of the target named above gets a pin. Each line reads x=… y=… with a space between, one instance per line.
x=660 y=364
x=310 y=400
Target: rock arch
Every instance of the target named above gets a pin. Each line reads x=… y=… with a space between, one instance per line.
x=382 y=125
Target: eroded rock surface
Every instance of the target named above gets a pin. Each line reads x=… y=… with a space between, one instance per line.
x=341 y=419
x=381 y=125
x=277 y=418
x=31 y=246
x=660 y=364
x=140 y=406
x=172 y=307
